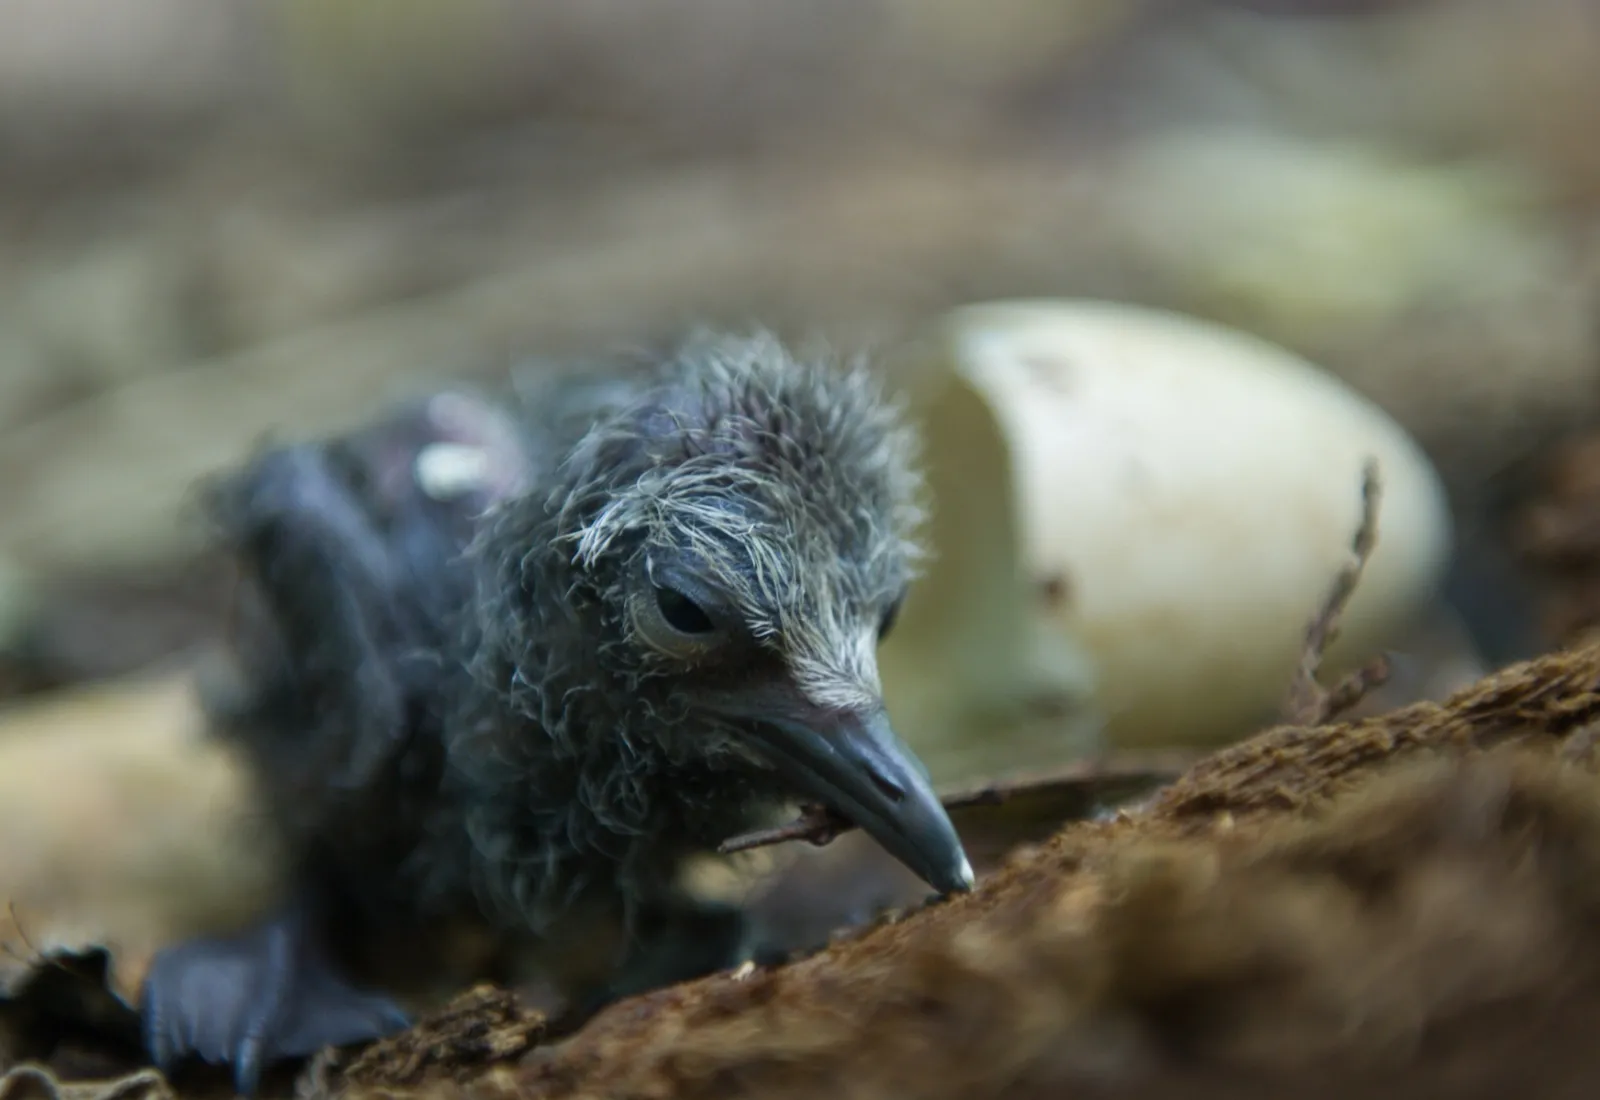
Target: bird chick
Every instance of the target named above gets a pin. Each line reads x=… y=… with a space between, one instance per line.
x=516 y=665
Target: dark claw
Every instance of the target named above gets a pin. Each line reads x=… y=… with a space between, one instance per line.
x=252 y=1000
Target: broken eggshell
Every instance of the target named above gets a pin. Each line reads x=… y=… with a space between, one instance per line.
x=1135 y=515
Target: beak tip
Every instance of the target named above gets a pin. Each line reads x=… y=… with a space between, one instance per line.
x=958 y=879
x=854 y=763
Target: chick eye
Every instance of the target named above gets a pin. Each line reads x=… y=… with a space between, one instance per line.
x=886 y=624
x=681 y=613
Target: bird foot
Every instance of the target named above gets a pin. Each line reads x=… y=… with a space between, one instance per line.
x=255 y=999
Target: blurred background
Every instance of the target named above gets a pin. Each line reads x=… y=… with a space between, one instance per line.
x=220 y=221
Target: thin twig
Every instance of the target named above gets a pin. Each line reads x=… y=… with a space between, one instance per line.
x=1309 y=703
x=1354 y=687
x=816 y=824
x=1091 y=778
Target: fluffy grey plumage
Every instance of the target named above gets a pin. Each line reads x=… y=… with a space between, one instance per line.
x=780 y=497
x=521 y=665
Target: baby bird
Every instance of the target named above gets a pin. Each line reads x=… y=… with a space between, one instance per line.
x=516 y=664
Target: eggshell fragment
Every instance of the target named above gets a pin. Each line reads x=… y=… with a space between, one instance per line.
x=1175 y=497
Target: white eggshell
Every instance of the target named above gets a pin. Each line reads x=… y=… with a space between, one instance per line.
x=1184 y=495
x=966 y=658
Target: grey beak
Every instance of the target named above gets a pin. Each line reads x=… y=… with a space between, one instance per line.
x=856 y=765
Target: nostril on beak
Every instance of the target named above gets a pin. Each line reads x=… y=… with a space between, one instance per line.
x=890 y=789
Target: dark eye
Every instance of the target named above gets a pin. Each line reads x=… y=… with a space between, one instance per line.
x=889 y=617
x=681 y=613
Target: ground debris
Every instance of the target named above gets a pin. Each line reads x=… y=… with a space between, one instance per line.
x=476 y=1030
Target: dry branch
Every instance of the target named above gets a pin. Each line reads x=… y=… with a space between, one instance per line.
x=1309 y=703
x=816 y=824
x=1098 y=781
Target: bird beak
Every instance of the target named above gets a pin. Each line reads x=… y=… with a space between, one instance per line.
x=854 y=763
